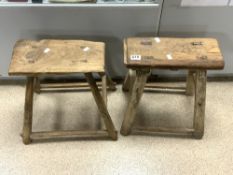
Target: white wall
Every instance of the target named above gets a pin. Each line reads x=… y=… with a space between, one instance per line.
x=206 y=2
x=108 y=24
x=201 y=22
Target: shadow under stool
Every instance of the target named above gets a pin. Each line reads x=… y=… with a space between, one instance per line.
x=62 y=57
x=141 y=55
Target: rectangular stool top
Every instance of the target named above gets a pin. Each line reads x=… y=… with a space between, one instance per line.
x=183 y=53
x=57 y=57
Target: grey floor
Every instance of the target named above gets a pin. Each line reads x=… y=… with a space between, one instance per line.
x=136 y=155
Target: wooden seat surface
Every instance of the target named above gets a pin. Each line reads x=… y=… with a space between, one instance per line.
x=186 y=53
x=57 y=57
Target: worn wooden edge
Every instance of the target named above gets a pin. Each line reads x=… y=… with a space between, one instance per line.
x=162 y=130
x=215 y=65
x=212 y=65
x=22 y=72
x=38 y=74
x=20 y=41
x=69 y=135
x=179 y=38
x=12 y=54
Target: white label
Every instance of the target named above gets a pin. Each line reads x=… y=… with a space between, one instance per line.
x=157 y=40
x=135 y=57
x=169 y=57
x=47 y=50
x=204 y=2
x=86 y=49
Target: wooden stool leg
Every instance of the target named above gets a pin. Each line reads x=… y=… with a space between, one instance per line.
x=37 y=85
x=190 y=85
x=104 y=95
x=111 y=85
x=129 y=80
x=101 y=106
x=200 y=100
x=136 y=94
x=28 y=111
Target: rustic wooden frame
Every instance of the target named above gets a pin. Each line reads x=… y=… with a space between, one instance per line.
x=101 y=101
x=41 y=87
x=196 y=82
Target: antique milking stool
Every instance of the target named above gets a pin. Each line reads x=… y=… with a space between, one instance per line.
x=194 y=54
x=61 y=57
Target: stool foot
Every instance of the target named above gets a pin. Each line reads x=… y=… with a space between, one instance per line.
x=26 y=141
x=198 y=135
x=114 y=136
x=124 y=132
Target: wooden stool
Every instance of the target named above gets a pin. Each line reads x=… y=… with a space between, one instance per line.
x=194 y=54
x=61 y=57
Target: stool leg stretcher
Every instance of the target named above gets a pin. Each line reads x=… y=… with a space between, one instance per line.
x=101 y=101
x=41 y=87
x=160 y=87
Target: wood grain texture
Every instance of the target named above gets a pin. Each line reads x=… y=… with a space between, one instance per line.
x=57 y=57
x=163 y=130
x=200 y=103
x=190 y=83
x=68 y=135
x=28 y=111
x=170 y=53
x=104 y=95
